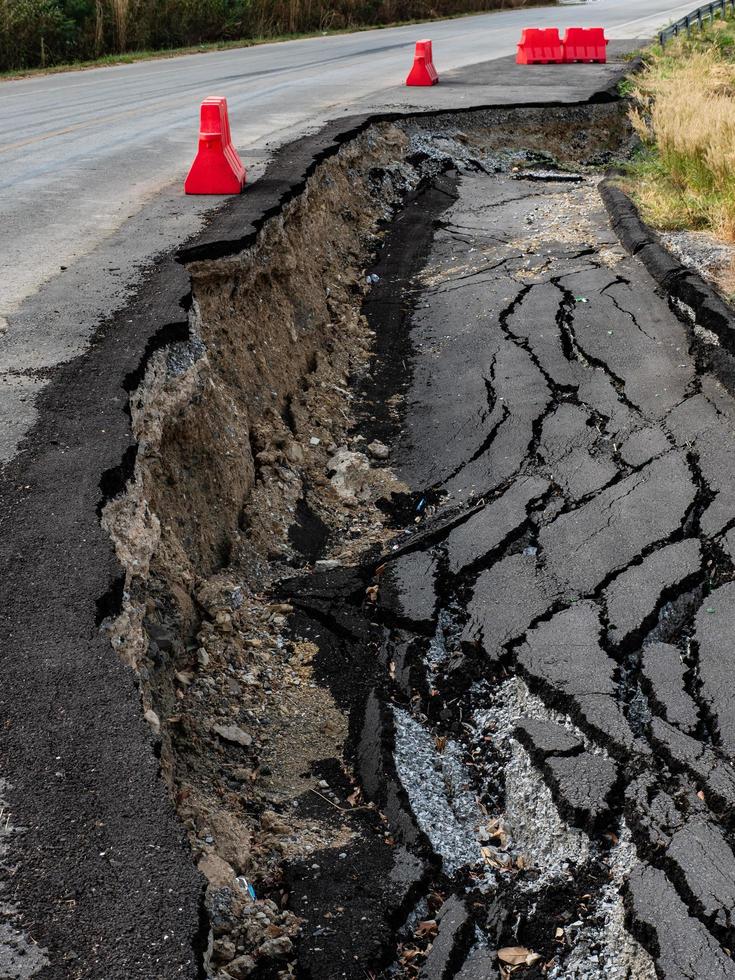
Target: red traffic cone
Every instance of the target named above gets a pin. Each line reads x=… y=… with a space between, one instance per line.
x=423 y=71
x=217 y=169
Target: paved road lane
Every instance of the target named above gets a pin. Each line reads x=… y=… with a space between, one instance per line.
x=92 y=163
x=87 y=149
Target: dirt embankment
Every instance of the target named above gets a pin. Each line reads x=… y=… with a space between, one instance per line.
x=263 y=454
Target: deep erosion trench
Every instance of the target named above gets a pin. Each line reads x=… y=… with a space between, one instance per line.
x=428 y=575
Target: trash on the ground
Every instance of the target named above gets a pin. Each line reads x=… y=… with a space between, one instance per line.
x=420 y=505
x=530 y=552
x=372 y=278
x=246 y=886
x=581 y=299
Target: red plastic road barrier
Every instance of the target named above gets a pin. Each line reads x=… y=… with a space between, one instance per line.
x=217 y=169
x=585 y=44
x=230 y=150
x=423 y=71
x=540 y=47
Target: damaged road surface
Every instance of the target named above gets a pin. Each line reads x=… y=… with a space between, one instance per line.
x=424 y=569
x=550 y=723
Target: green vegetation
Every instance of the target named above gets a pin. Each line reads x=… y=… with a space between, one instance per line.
x=684 y=111
x=43 y=33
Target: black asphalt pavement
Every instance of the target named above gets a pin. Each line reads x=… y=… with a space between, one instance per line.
x=578 y=438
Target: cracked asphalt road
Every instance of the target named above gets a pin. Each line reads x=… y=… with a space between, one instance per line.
x=581 y=450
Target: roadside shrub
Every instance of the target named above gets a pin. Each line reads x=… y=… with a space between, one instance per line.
x=684 y=112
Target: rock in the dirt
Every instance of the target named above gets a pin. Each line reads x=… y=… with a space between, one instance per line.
x=232 y=839
x=241 y=967
x=153 y=720
x=378 y=450
x=223 y=950
x=274 y=949
x=271 y=822
x=218 y=873
x=233 y=734
x=348 y=472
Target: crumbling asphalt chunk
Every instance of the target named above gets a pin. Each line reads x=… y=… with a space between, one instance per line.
x=580 y=550
x=377 y=772
x=702 y=862
x=486 y=530
x=582 y=786
x=534 y=321
x=651 y=813
x=408 y=590
x=364 y=888
x=563 y=659
x=455 y=925
x=586 y=546
x=544 y=738
x=643 y=445
x=663 y=678
x=715 y=628
x=684 y=753
x=698 y=427
x=629 y=329
x=634 y=596
x=479 y=965
x=506 y=598
x=681 y=945
x=522 y=396
x=567 y=441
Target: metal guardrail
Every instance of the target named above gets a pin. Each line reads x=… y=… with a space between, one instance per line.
x=695 y=19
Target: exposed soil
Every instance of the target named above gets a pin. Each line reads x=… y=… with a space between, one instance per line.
x=303 y=600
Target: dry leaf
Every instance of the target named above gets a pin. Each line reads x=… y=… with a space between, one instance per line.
x=428 y=927
x=497 y=859
x=518 y=956
x=497 y=828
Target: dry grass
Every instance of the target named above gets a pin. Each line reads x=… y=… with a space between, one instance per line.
x=684 y=111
